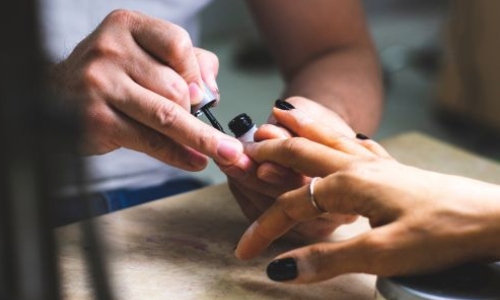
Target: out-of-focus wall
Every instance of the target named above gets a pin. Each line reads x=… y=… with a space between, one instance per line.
x=227 y=17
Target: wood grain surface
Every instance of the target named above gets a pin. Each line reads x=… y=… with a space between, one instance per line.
x=182 y=247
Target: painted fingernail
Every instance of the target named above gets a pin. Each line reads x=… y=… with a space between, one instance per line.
x=283 y=105
x=361 y=136
x=282 y=269
x=229 y=150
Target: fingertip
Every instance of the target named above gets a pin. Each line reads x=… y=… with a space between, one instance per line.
x=229 y=151
x=248 y=246
x=292 y=118
x=283 y=269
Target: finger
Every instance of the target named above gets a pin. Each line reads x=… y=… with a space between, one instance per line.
x=275 y=222
x=368 y=253
x=158 y=78
x=135 y=136
x=244 y=172
x=322 y=113
x=173 y=121
x=209 y=68
x=269 y=131
x=305 y=126
x=375 y=147
x=280 y=176
x=300 y=154
x=248 y=207
x=169 y=43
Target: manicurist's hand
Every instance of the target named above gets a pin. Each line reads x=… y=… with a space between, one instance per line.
x=134 y=79
x=421 y=220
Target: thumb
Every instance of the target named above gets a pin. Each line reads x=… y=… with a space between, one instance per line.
x=363 y=254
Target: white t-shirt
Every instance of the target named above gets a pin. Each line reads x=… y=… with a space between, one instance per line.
x=65 y=23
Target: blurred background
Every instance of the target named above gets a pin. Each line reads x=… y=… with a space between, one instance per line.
x=412 y=37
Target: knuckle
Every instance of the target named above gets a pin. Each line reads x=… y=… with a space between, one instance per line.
x=165 y=115
x=381 y=254
x=120 y=16
x=182 y=44
x=93 y=77
x=294 y=147
x=104 y=46
x=178 y=90
x=316 y=254
x=155 y=142
x=284 y=205
x=182 y=40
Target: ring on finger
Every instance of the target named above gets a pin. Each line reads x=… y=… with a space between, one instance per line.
x=311 y=195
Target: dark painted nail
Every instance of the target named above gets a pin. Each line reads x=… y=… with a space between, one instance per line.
x=282 y=269
x=283 y=105
x=361 y=136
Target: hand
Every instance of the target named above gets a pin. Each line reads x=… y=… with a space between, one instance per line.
x=256 y=187
x=422 y=221
x=134 y=79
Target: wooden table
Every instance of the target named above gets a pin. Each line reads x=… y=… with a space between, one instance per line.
x=182 y=247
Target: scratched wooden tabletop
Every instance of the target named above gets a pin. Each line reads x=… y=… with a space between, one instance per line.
x=182 y=247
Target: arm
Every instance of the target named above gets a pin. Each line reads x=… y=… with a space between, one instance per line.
x=325 y=53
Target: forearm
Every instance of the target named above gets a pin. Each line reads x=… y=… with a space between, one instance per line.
x=347 y=81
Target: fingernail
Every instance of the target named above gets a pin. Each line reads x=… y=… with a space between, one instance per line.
x=211 y=84
x=361 y=136
x=195 y=93
x=283 y=105
x=229 y=150
x=282 y=269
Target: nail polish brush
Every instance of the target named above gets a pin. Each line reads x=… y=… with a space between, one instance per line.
x=204 y=107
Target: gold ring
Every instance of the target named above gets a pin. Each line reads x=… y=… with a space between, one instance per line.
x=311 y=195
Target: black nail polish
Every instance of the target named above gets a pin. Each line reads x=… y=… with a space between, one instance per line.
x=361 y=136
x=282 y=269
x=283 y=105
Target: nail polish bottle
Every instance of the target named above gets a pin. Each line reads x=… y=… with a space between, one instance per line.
x=204 y=107
x=243 y=128
x=467 y=282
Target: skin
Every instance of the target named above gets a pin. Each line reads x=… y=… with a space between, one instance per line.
x=421 y=221
x=333 y=74
x=135 y=77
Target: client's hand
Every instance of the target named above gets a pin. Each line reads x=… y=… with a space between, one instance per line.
x=421 y=220
x=257 y=188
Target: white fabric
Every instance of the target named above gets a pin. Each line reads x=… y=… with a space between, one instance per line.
x=64 y=24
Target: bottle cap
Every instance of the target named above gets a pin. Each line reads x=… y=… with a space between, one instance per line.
x=240 y=124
